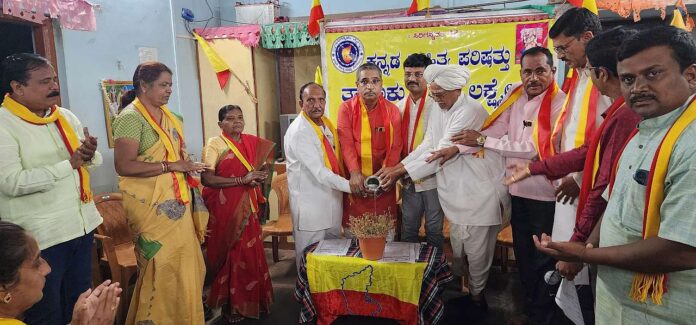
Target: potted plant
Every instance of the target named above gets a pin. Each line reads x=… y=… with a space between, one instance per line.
x=371 y=230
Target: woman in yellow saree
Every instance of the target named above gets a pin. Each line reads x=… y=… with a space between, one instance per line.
x=162 y=203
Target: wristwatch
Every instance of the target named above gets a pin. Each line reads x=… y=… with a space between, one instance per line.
x=481 y=140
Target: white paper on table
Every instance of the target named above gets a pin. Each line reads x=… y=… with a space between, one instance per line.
x=567 y=299
x=400 y=252
x=333 y=247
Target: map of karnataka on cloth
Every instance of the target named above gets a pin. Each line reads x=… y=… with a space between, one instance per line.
x=353 y=286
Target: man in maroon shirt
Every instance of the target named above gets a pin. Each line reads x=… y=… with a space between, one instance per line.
x=596 y=157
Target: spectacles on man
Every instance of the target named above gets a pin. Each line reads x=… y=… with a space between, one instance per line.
x=374 y=82
x=563 y=48
x=438 y=94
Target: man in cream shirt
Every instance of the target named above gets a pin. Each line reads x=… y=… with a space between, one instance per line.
x=418 y=197
x=470 y=189
x=315 y=180
x=41 y=187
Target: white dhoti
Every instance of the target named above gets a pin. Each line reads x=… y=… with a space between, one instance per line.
x=473 y=248
x=567 y=296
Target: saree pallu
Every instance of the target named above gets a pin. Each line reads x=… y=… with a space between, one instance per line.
x=236 y=258
x=168 y=236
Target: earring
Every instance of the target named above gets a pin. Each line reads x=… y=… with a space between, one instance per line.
x=7 y=299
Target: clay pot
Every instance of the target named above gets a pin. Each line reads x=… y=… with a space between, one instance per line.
x=372 y=248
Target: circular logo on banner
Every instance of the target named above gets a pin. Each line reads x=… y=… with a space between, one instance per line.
x=347 y=53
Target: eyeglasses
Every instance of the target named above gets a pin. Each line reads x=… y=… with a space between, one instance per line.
x=563 y=48
x=373 y=82
x=438 y=94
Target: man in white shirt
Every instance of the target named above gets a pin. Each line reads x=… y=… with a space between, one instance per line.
x=470 y=189
x=419 y=196
x=44 y=182
x=315 y=176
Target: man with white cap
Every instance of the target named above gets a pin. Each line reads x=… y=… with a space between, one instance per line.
x=474 y=207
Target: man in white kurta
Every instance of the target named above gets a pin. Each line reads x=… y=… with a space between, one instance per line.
x=570 y=34
x=470 y=188
x=316 y=198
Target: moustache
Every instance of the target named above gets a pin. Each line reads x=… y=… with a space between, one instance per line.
x=412 y=83
x=638 y=98
x=54 y=94
x=533 y=84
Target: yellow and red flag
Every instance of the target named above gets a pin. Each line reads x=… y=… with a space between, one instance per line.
x=678 y=20
x=418 y=5
x=316 y=13
x=391 y=290
x=590 y=5
x=222 y=70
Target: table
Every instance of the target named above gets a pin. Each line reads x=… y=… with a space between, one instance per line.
x=394 y=293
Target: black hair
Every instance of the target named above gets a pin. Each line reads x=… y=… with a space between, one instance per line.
x=601 y=50
x=367 y=66
x=17 y=67
x=147 y=73
x=309 y=84
x=417 y=60
x=677 y=39
x=574 y=22
x=226 y=109
x=15 y=250
x=536 y=50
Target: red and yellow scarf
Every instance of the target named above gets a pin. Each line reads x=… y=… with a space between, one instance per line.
x=332 y=158
x=181 y=180
x=591 y=167
x=255 y=195
x=361 y=122
x=542 y=127
x=588 y=113
x=67 y=134
x=418 y=129
x=655 y=284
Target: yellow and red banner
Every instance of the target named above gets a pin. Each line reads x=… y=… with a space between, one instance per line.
x=491 y=51
x=343 y=285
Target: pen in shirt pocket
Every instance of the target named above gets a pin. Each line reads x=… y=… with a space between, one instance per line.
x=526 y=124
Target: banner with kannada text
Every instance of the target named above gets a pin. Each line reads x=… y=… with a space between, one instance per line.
x=490 y=51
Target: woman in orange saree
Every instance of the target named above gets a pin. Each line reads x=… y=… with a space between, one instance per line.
x=236 y=259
